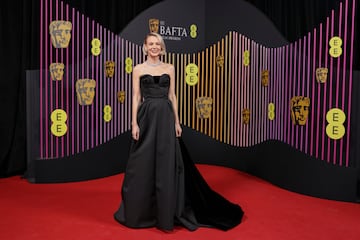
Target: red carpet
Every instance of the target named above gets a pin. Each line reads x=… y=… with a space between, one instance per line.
x=84 y=210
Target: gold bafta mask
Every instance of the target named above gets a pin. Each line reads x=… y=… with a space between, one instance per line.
x=299 y=107
x=60 y=32
x=56 y=71
x=85 y=91
x=265 y=78
x=246 y=116
x=220 y=61
x=321 y=75
x=121 y=96
x=204 y=107
x=109 y=68
x=154 y=25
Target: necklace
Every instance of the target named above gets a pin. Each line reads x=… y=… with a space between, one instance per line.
x=153 y=64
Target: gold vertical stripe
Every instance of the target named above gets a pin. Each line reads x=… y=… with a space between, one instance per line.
x=194 y=95
x=206 y=93
x=217 y=94
x=201 y=79
x=181 y=89
x=211 y=88
x=188 y=96
x=222 y=91
x=213 y=118
x=219 y=98
x=228 y=74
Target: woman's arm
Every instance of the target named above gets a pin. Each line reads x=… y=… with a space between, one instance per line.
x=136 y=98
x=173 y=99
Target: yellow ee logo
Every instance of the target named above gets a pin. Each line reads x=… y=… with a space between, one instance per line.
x=191 y=72
x=335 y=47
x=246 y=58
x=107 y=113
x=271 y=111
x=193 y=31
x=336 y=118
x=95 y=47
x=58 y=118
x=128 y=65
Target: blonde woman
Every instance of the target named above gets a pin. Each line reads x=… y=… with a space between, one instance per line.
x=162 y=187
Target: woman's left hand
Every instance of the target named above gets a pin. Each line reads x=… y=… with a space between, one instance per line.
x=178 y=130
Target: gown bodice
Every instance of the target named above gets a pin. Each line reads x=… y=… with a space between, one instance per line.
x=154 y=86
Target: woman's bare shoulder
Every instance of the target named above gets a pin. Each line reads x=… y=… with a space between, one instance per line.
x=169 y=66
x=139 y=66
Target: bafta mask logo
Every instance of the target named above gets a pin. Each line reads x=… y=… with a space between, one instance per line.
x=220 y=61
x=321 y=75
x=299 y=106
x=85 y=91
x=204 y=107
x=246 y=116
x=265 y=78
x=60 y=32
x=109 y=68
x=56 y=71
x=154 y=25
x=121 y=96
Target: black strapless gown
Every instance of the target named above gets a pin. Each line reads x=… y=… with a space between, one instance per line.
x=162 y=187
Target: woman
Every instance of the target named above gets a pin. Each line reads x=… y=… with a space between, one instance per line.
x=162 y=187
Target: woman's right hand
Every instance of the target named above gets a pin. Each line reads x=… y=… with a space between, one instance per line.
x=135 y=132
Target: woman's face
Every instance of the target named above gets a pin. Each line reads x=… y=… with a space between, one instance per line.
x=153 y=46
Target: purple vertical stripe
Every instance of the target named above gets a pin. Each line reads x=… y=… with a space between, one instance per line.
x=318 y=93
x=280 y=90
x=107 y=88
x=77 y=77
x=122 y=84
x=51 y=108
x=237 y=92
x=325 y=91
x=298 y=81
x=330 y=84
x=234 y=54
x=255 y=100
x=56 y=86
x=101 y=122
x=291 y=86
x=303 y=80
x=350 y=82
x=308 y=79
x=73 y=89
x=82 y=76
x=271 y=89
x=344 y=78
x=337 y=84
x=93 y=71
x=279 y=125
x=246 y=92
x=113 y=90
x=241 y=92
x=41 y=78
x=62 y=82
x=312 y=117
x=87 y=76
x=286 y=104
x=283 y=101
x=97 y=124
x=116 y=88
x=67 y=89
x=265 y=100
